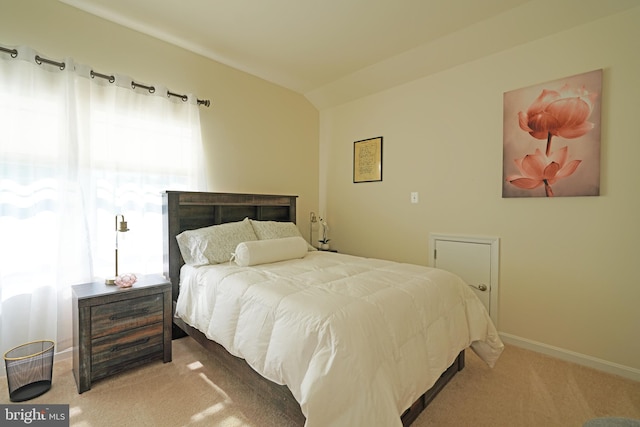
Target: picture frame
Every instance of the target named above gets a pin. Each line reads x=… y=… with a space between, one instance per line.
x=367 y=160
x=551 y=138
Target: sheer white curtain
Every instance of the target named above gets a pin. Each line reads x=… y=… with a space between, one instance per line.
x=76 y=151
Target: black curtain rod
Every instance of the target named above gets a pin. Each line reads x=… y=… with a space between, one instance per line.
x=12 y=52
x=40 y=60
x=110 y=78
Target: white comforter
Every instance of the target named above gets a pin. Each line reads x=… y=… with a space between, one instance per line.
x=356 y=340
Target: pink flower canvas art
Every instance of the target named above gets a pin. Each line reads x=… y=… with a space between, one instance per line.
x=551 y=138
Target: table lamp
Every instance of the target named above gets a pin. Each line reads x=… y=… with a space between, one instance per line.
x=120 y=228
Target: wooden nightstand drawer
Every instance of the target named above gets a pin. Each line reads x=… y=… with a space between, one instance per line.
x=113 y=353
x=118 y=316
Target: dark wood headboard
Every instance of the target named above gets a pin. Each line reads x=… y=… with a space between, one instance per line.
x=188 y=210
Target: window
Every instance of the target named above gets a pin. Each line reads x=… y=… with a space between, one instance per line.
x=74 y=153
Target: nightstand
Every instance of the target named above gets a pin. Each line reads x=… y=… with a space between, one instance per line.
x=119 y=328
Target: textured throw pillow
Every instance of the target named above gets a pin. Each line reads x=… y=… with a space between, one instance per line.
x=214 y=244
x=270 y=250
x=276 y=230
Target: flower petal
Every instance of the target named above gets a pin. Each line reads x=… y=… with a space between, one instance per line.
x=526 y=183
x=523 y=121
x=570 y=111
x=545 y=98
x=576 y=131
x=533 y=166
x=560 y=156
x=550 y=171
x=542 y=124
x=568 y=169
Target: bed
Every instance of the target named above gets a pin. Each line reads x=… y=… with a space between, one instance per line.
x=294 y=337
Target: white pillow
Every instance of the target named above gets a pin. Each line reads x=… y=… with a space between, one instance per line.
x=214 y=244
x=276 y=230
x=270 y=250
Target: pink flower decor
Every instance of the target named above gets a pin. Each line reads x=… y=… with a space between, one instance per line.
x=561 y=113
x=551 y=138
x=126 y=280
x=538 y=169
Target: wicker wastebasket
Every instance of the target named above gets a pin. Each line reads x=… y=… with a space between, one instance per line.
x=29 y=370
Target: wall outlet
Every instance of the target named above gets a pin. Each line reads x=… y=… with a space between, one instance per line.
x=414 y=197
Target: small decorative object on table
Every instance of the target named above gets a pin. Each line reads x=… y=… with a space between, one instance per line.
x=324 y=242
x=126 y=280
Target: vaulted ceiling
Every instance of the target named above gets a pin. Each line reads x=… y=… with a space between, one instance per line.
x=333 y=51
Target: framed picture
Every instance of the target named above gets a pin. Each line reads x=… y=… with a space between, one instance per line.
x=551 y=138
x=367 y=160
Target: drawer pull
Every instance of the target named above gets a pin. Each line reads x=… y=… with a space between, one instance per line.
x=121 y=316
x=130 y=344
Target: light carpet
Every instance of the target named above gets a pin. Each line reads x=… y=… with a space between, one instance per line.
x=524 y=389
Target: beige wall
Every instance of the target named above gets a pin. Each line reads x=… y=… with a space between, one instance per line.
x=258 y=137
x=568 y=266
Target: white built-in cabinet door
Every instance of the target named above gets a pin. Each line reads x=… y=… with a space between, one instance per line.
x=474 y=259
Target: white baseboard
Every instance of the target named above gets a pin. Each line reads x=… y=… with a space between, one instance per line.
x=571 y=356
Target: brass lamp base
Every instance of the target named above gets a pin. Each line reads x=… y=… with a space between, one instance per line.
x=110 y=281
